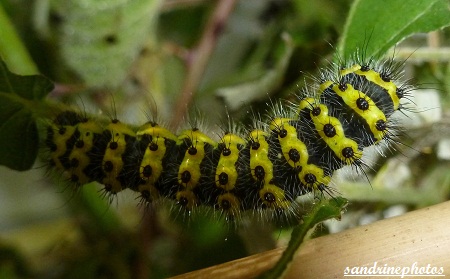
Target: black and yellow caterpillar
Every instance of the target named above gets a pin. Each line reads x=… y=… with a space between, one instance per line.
x=265 y=168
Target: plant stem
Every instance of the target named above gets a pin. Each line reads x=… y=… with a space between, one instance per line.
x=198 y=58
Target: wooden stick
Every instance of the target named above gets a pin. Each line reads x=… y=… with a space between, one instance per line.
x=421 y=237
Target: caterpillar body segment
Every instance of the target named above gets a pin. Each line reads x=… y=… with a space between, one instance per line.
x=120 y=141
x=89 y=136
x=153 y=148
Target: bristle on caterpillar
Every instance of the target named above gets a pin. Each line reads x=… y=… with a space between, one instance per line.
x=265 y=168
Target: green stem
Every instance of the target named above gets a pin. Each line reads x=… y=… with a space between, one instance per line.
x=325 y=209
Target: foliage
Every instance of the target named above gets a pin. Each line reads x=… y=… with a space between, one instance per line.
x=134 y=52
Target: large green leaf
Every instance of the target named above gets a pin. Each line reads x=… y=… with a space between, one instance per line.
x=34 y=87
x=377 y=25
x=256 y=89
x=100 y=40
x=12 y=49
x=19 y=139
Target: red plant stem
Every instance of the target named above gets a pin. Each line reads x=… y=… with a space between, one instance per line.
x=198 y=58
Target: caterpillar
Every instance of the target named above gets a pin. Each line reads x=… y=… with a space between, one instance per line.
x=264 y=167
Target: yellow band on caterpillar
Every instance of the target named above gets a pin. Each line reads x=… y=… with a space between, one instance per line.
x=332 y=133
x=189 y=172
x=260 y=164
x=375 y=77
x=364 y=107
x=226 y=172
x=112 y=159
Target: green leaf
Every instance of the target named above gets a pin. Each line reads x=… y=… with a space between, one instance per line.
x=324 y=210
x=100 y=41
x=34 y=87
x=12 y=49
x=377 y=25
x=237 y=95
x=19 y=139
x=18 y=135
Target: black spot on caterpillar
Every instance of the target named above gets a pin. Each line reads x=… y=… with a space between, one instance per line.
x=264 y=168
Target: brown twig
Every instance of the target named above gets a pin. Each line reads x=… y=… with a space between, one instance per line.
x=196 y=61
x=199 y=56
x=180 y=4
x=147 y=233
